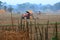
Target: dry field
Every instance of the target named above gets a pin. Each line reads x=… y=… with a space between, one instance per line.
x=35 y=31
x=6 y=18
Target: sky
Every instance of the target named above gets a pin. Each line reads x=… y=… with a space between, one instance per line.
x=44 y=2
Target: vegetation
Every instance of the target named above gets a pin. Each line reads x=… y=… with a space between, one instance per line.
x=33 y=28
x=28 y=6
x=13 y=27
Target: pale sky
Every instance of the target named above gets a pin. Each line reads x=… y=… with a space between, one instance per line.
x=44 y=2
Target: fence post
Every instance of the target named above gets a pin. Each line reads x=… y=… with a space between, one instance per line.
x=36 y=30
x=31 y=29
x=20 y=25
x=56 y=31
x=56 y=35
x=25 y=23
x=11 y=19
x=27 y=29
x=39 y=30
x=46 y=31
x=41 y=34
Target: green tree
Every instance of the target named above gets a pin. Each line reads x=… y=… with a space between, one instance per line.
x=5 y=8
x=1 y=4
x=10 y=9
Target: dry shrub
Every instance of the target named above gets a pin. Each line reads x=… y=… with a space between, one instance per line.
x=2 y=11
x=11 y=35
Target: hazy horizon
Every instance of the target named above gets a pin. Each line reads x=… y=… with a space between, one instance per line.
x=44 y=2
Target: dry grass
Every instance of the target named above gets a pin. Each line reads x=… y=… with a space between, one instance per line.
x=6 y=18
x=13 y=35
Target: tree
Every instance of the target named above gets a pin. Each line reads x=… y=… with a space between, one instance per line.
x=0 y=4
x=10 y=10
x=5 y=8
x=57 y=6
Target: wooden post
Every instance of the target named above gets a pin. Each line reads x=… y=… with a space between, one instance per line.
x=21 y=24
x=27 y=30
x=11 y=19
x=25 y=22
x=30 y=29
x=36 y=30
x=18 y=26
x=46 y=31
x=40 y=34
x=56 y=35
x=12 y=22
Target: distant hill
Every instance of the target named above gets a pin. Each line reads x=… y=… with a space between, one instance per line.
x=34 y=7
x=38 y=7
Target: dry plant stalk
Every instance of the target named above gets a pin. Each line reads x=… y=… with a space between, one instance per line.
x=12 y=20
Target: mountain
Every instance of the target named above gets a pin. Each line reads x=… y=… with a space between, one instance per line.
x=38 y=7
x=28 y=6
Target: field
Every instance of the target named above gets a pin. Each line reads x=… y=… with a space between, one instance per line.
x=43 y=27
